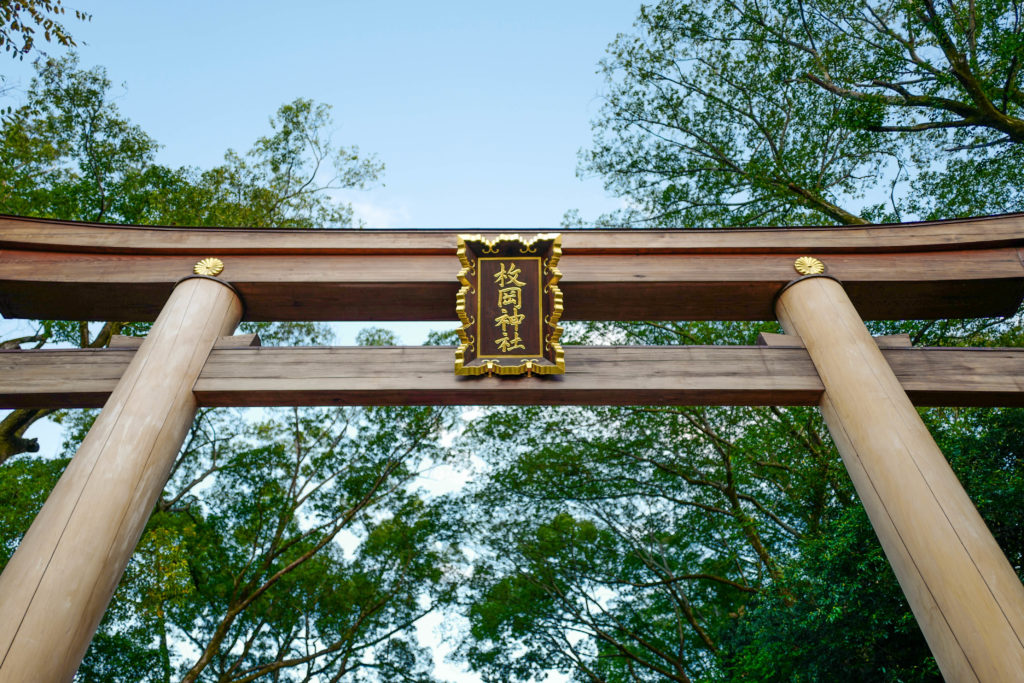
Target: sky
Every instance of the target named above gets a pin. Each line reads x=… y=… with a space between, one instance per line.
x=477 y=109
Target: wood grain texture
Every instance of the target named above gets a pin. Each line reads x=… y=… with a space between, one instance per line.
x=887 y=341
x=121 y=341
x=61 y=378
x=709 y=375
x=55 y=588
x=969 y=233
x=965 y=595
x=63 y=285
x=424 y=375
x=965 y=268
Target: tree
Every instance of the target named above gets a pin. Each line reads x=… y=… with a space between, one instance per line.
x=20 y=20
x=745 y=113
x=691 y=543
x=292 y=545
x=682 y=543
x=849 y=599
x=945 y=76
x=68 y=153
x=625 y=546
x=911 y=66
x=289 y=544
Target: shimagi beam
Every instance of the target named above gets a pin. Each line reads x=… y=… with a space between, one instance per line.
x=55 y=270
x=679 y=375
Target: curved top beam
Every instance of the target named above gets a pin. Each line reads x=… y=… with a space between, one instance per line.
x=83 y=271
x=969 y=233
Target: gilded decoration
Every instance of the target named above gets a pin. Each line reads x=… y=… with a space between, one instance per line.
x=509 y=305
x=209 y=266
x=808 y=265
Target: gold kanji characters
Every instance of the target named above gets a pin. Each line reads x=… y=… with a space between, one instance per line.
x=510 y=296
x=509 y=277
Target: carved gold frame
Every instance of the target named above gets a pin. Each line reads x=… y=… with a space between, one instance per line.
x=528 y=366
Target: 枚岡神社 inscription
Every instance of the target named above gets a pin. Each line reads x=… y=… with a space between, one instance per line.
x=509 y=305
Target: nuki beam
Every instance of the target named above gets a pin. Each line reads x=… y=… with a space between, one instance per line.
x=779 y=372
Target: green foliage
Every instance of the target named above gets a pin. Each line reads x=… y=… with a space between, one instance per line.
x=757 y=560
x=24 y=485
x=376 y=336
x=908 y=66
x=657 y=527
x=69 y=153
x=744 y=113
x=699 y=131
x=442 y=338
x=611 y=544
x=850 y=620
x=288 y=544
x=849 y=598
x=290 y=333
x=987 y=180
x=21 y=21
x=787 y=113
x=664 y=543
x=658 y=531
x=986 y=450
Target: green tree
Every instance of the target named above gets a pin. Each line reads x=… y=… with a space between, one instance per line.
x=747 y=113
x=633 y=544
x=69 y=153
x=849 y=599
x=622 y=543
x=289 y=544
x=22 y=20
x=692 y=543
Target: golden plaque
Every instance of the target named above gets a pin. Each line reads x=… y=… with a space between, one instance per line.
x=509 y=305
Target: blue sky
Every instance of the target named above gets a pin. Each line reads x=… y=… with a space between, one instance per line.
x=477 y=109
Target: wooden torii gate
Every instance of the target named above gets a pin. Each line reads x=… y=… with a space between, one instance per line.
x=965 y=595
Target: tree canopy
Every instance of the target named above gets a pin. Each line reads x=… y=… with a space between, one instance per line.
x=615 y=544
x=290 y=544
x=22 y=20
x=67 y=152
x=710 y=544
x=740 y=112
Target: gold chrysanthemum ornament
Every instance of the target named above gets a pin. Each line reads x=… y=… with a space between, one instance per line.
x=209 y=266
x=808 y=265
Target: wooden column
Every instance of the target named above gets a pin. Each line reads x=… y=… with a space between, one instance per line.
x=966 y=597
x=57 y=585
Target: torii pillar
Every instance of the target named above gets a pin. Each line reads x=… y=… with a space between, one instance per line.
x=57 y=585
x=967 y=599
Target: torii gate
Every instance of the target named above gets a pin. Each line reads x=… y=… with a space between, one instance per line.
x=965 y=595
